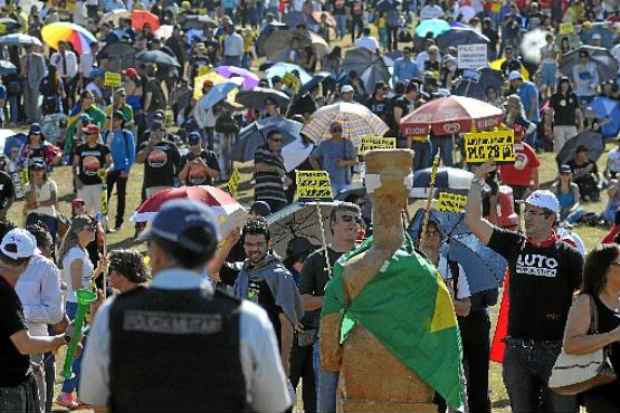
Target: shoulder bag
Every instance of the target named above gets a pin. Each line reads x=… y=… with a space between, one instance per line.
x=576 y=373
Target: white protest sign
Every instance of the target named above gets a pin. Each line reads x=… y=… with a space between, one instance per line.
x=472 y=56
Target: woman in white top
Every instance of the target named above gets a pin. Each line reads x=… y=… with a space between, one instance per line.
x=41 y=201
x=78 y=272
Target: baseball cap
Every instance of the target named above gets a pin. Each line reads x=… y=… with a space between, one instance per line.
x=515 y=75
x=38 y=164
x=35 y=129
x=130 y=72
x=260 y=208
x=347 y=89
x=119 y=114
x=19 y=243
x=90 y=129
x=188 y=223
x=194 y=138
x=77 y=202
x=565 y=169
x=543 y=198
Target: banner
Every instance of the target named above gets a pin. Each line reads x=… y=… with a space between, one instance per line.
x=233 y=182
x=451 y=202
x=376 y=142
x=112 y=79
x=313 y=185
x=495 y=146
x=472 y=56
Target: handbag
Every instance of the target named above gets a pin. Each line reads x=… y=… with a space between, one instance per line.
x=575 y=373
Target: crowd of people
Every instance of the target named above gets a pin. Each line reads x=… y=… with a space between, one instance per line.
x=249 y=328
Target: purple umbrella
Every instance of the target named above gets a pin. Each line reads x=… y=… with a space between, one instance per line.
x=250 y=80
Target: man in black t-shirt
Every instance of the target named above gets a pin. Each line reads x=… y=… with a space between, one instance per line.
x=401 y=107
x=89 y=162
x=7 y=189
x=585 y=175
x=314 y=276
x=200 y=166
x=377 y=103
x=544 y=274
x=161 y=160
x=18 y=388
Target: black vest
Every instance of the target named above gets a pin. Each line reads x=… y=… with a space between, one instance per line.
x=175 y=351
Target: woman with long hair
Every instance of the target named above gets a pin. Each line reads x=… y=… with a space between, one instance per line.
x=41 y=201
x=78 y=272
x=600 y=292
x=53 y=90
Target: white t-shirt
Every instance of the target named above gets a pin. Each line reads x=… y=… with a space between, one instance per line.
x=462 y=284
x=76 y=253
x=43 y=194
x=431 y=12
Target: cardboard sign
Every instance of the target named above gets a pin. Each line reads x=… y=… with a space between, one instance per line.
x=451 y=202
x=313 y=185
x=472 y=56
x=112 y=79
x=567 y=28
x=376 y=142
x=233 y=182
x=486 y=146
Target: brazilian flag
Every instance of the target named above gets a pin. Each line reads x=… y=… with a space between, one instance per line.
x=408 y=308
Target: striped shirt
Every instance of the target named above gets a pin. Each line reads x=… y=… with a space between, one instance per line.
x=269 y=185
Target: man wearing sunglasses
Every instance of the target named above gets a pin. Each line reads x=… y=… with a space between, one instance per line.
x=343 y=224
x=544 y=274
x=336 y=156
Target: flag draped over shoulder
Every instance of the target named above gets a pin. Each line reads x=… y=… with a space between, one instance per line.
x=408 y=308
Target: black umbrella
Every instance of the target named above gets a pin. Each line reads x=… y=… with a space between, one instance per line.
x=279 y=42
x=370 y=67
x=8 y=25
x=199 y=22
x=157 y=57
x=265 y=33
x=606 y=64
x=315 y=81
x=592 y=140
x=475 y=82
x=460 y=36
x=256 y=97
x=255 y=134
x=386 y=5
x=118 y=56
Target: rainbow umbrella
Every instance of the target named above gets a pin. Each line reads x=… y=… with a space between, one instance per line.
x=79 y=37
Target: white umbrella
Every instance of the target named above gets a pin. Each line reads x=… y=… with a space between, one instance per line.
x=295 y=153
x=164 y=32
x=532 y=44
x=115 y=15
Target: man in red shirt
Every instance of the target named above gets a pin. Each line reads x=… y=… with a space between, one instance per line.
x=522 y=175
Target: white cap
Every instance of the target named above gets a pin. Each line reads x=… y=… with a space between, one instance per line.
x=347 y=89
x=544 y=198
x=514 y=75
x=19 y=243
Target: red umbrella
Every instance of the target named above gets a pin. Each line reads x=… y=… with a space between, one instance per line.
x=226 y=210
x=141 y=17
x=450 y=115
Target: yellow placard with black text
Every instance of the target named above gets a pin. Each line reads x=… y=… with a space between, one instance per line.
x=376 y=142
x=313 y=186
x=567 y=28
x=449 y=202
x=498 y=146
x=233 y=182
x=112 y=79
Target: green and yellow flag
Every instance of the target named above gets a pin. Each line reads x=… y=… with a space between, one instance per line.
x=408 y=308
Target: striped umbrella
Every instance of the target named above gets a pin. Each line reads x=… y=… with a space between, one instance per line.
x=228 y=213
x=357 y=121
x=79 y=37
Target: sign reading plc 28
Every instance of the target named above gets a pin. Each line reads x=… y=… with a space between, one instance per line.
x=486 y=146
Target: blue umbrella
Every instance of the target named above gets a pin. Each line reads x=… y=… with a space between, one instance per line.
x=475 y=82
x=450 y=223
x=282 y=68
x=452 y=179
x=217 y=94
x=603 y=107
x=315 y=81
x=255 y=134
x=434 y=26
x=7 y=68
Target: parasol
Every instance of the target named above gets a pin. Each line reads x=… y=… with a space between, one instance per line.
x=592 y=140
x=606 y=64
x=370 y=67
x=256 y=97
x=157 y=57
x=255 y=134
x=19 y=39
x=532 y=43
x=139 y=18
x=250 y=80
x=474 y=83
x=79 y=37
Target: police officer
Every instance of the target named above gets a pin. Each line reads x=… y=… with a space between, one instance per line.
x=179 y=345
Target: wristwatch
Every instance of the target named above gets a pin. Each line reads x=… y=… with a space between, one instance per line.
x=67 y=339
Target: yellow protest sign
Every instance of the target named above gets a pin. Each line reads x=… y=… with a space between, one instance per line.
x=313 y=185
x=376 y=142
x=203 y=70
x=233 y=182
x=2 y=28
x=451 y=202
x=112 y=79
x=567 y=28
x=291 y=81
x=486 y=146
x=24 y=179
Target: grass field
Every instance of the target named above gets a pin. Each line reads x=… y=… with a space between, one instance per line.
x=122 y=238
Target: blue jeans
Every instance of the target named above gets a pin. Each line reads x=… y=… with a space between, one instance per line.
x=14 y=105
x=421 y=155
x=327 y=383
x=444 y=146
x=527 y=368
x=341 y=25
x=72 y=384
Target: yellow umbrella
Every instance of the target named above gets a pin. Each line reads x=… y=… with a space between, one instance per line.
x=497 y=65
x=214 y=77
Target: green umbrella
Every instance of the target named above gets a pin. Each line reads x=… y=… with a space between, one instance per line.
x=434 y=26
